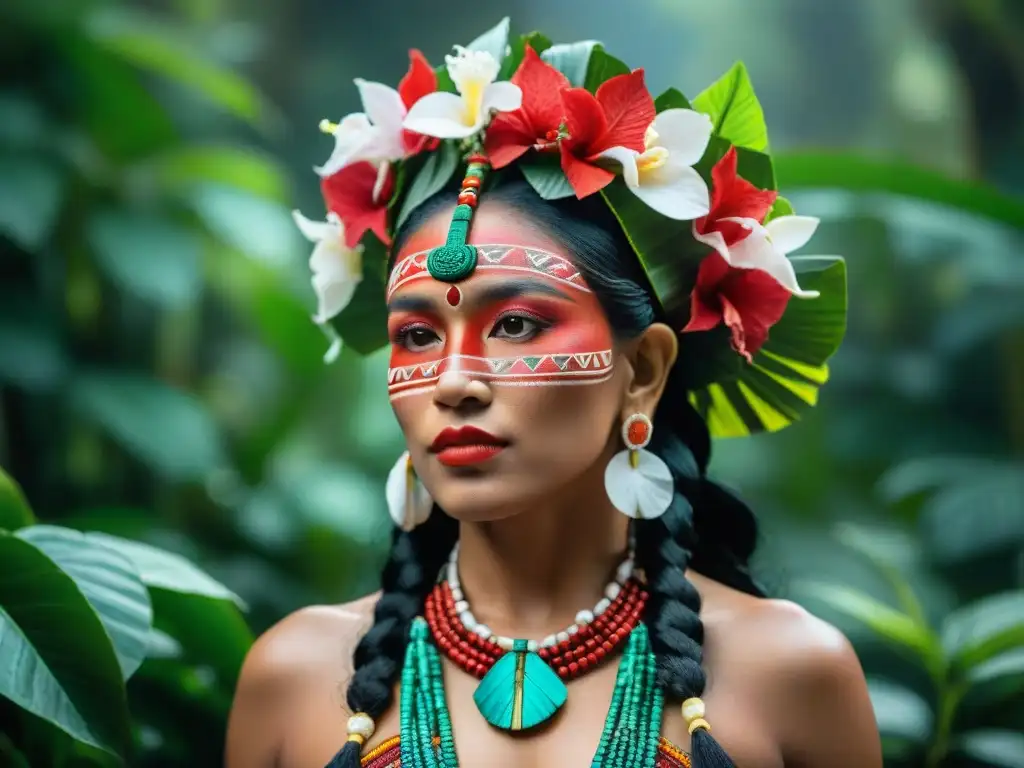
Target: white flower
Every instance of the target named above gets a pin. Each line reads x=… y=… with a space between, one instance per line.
x=337 y=269
x=374 y=135
x=766 y=247
x=447 y=116
x=663 y=175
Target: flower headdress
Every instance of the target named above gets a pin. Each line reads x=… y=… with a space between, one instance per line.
x=691 y=184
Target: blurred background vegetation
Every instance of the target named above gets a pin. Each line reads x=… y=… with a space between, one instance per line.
x=160 y=379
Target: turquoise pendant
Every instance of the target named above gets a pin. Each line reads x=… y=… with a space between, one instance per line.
x=520 y=691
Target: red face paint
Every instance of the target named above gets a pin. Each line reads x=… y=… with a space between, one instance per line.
x=525 y=317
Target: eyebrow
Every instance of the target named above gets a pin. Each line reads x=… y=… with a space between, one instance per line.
x=503 y=291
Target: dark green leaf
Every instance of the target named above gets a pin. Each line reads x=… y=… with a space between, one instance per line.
x=167 y=429
x=535 y=40
x=919 y=475
x=733 y=107
x=1000 y=678
x=160 y=645
x=109 y=582
x=10 y=755
x=31 y=356
x=14 y=509
x=31 y=190
x=671 y=99
x=602 y=67
x=177 y=170
x=149 y=256
x=152 y=45
x=985 y=628
x=1004 y=749
x=22 y=123
x=160 y=568
x=436 y=173
x=547 y=178
x=211 y=632
x=572 y=60
x=363 y=324
x=56 y=660
x=837 y=170
x=885 y=621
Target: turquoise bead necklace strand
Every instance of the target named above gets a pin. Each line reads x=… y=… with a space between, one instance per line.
x=631 y=729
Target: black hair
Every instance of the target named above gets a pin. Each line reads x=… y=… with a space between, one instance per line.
x=706 y=528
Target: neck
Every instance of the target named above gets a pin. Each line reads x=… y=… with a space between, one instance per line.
x=528 y=574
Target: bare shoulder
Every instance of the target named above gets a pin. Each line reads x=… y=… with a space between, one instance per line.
x=300 y=651
x=803 y=672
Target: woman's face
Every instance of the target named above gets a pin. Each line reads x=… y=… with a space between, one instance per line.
x=506 y=384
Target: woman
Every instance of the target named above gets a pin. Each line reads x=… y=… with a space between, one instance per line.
x=565 y=587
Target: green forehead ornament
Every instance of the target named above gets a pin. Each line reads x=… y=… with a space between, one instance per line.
x=455 y=260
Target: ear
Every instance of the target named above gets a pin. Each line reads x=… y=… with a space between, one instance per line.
x=652 y=358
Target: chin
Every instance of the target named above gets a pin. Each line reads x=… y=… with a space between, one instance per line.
x=480 y=499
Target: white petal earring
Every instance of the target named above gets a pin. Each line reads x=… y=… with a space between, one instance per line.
x=409 y=504
x=638 y=483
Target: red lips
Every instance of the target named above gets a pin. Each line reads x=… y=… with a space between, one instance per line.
x=460 y=447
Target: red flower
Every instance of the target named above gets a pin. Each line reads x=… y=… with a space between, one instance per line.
x=417 y=83
x=748 y=301
x=732 y=197
x=350 y=194
x=618 y=115
x=511 y=134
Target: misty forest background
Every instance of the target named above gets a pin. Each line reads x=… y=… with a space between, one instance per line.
x=160 y=380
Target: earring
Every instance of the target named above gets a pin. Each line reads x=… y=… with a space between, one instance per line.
x=409 y=504
x=638 y=483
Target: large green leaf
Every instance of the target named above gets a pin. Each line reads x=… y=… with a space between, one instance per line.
x=149 y=256
x=56 y=660
x=601 y=67
x=175 y=171
x=154 y=45
x=999 y=678
x=14 y=509
x=494 y=41
x=900 y=712
x=546 y=176
x=211 y=632
x=1003 y=749
x=431 y=179
x=167 y=570
x=31 y=190
x=733 y=107
x=885 y=621
x=109 y=582
x=363 y=323
x=840 y=170
x=983 y=629
x=673 y=98
x=572 y=59
x=791 y=367
x=167 y=429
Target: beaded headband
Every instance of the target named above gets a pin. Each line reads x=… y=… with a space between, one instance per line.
x=691 y=184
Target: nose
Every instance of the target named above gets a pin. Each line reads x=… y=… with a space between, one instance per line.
x=456 y=389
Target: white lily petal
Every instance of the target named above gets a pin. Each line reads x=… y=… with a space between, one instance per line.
x=790 y=233
x=386 y=110
x=714 y=240
x=674 y=190
x=469 y=69
x=627 y=159
x=439 y=115
x=351 y=135
x=381 y=180
x=332 y=296
x=315 y=231
x=685 y=133
x=757 y=251
x=502 y=97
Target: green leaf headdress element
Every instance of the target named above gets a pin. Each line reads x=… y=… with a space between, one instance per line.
x=691 y=183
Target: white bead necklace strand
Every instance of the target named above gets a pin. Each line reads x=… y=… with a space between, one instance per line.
x=584 y=617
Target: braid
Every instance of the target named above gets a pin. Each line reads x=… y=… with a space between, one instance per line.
x=411 y=571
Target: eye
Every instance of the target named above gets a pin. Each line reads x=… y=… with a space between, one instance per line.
x=518 y=327
x=416 y=338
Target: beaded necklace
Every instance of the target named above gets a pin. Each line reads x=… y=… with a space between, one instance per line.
x=631 y=729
